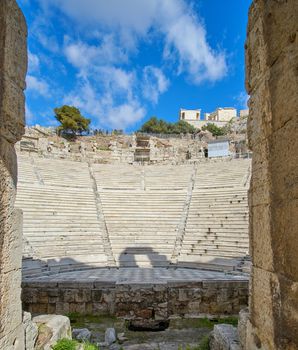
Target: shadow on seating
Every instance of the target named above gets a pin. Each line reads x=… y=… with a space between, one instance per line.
x=142 y=257
x=131 y=257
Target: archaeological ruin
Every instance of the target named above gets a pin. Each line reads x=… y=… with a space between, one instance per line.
x=13 y=67
x=148 y=229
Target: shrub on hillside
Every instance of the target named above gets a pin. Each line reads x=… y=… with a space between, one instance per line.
x=159 y=126
x=72 y=121
x=214 y=129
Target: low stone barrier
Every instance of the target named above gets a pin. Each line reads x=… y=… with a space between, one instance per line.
x=132 y=301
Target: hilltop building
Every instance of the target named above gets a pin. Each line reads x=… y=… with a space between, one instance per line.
x=222 y=115
x=192 y=116
x=219 y=117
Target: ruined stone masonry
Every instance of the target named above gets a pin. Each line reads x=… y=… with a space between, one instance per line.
x=272 y=82
x=13 y=67
x=137 y=299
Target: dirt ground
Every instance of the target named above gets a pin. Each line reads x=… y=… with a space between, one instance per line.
x=182 y=334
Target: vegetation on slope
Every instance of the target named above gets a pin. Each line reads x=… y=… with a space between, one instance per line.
x=68 y=344
x=159 y=126
x=72 y=121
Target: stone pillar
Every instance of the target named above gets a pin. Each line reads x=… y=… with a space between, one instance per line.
x=272 y=83
x=13 y=67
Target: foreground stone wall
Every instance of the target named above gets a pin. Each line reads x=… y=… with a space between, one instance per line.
x=272 y=82
x=144 y=301
x=13 y=66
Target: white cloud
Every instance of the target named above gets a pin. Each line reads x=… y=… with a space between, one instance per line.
x=242 y=99
x=130 y=15
x=33 y=62
x=105 y=112
x=185 y=36
x=29 y=115
x=121 y=116
x=103 y=91
x=85 y=57
x=108 y=34
x=116 y=80
x=42 y=30
x=154 y=84
x=48 y=42
x=37 y=85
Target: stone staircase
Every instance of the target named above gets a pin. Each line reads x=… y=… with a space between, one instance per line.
x=216 y=231
x=60 y=217
x=79 y=215
x=142 y=225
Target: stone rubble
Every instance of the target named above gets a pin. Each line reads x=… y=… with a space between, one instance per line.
x=51 y=329
x=110 y=336
x=81 y=334
x=31 y=331
x=224 y=337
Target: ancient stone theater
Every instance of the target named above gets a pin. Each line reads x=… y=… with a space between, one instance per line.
x=153 y=240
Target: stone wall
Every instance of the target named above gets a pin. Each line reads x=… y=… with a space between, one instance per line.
x=272 y=82
x=13 y=66
x=144 y=301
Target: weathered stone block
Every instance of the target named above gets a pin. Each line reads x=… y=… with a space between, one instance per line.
x=83 y=295
x=262 y=298
x=224 y=337
x=58 y=326
x=13 y=53
x=12 y=111
x=31 y=331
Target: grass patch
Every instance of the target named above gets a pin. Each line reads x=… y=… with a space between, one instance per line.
x=65 y=344
x=227 y=320
x=68 y=344
x=202 y=322
x=89 y=346
x=204 y=345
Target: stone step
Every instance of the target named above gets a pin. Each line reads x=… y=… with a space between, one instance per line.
x=206 y=247
x=59 y=225
x=167 y=242
x=79 y=230
x=61 y=206
x=217 y=216
x=59 y=217
x=56 y=240
x=40 y=214
x=42 y=200
x=221 y=239
x=57 y=194
x=145 y=260
x=214 y=252
x=64 y=253
x=77 y=258
x=140 y=222
x=222 y=223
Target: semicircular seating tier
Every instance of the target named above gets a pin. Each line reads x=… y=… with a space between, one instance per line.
x=79 y=215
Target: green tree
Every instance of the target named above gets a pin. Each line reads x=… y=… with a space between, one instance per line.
x=159 y=126
x=214 y=129
x=228 y=128
x=154 y=125
x=71 y=119
x=182 y=127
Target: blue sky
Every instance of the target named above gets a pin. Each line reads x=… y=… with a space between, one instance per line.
x=123 y=61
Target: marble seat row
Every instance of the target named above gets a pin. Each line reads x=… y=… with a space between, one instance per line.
x=61 y=226
x=217 y=226
x=80 y=216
